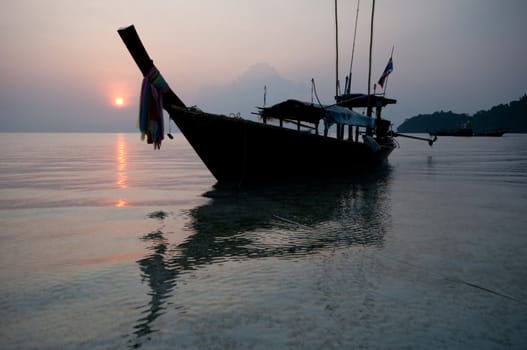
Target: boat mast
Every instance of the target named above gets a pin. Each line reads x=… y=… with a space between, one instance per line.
x=369 y=112
x=337 y=52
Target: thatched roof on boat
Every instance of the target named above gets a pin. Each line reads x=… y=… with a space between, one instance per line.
x=294 y=109
x=361 y=100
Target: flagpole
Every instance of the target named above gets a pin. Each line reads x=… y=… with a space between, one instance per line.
x=386 y=83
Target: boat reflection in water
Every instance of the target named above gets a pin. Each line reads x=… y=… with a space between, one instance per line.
x=285 y=221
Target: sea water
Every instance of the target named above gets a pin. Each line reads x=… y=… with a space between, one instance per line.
x=108 y=244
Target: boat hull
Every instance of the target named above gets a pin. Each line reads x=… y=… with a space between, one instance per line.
x=237 y=150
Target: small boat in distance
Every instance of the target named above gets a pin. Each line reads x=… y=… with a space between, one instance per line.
x=467 y=131
x=237 y=150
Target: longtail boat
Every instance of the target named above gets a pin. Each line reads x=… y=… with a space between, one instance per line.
x=237 y=150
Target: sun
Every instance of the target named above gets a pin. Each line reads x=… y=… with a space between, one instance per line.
x=119 y=101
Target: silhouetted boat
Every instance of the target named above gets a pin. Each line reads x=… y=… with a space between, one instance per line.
x=466 y=129
x=490 y=133
x=467 y=132
x=236 y=150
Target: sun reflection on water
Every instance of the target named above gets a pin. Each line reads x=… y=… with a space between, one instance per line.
x=122 y=165
x=121 y=203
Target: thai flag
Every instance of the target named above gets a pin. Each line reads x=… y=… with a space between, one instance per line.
x=387 y=71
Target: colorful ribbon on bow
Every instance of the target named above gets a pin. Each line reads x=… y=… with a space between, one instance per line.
x=151 y=107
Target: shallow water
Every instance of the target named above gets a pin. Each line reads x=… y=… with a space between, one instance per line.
x=106 y=243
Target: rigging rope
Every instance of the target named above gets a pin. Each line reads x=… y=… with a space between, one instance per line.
x=348 y=85
x=314 y=89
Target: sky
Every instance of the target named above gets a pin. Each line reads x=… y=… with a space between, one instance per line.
x=63 y=64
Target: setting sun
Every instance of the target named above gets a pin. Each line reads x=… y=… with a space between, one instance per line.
x=119 y=101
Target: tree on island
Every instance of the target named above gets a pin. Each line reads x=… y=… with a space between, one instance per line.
x=511 y=117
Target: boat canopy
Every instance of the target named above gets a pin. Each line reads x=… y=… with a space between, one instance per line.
x=311 y=113
x=342 y=115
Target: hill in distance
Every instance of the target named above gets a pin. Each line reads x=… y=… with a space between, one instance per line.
x=511 y=117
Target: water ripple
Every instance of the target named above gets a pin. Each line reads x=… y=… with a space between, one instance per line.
x=282 y=222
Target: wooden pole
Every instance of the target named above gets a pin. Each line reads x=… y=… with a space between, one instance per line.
x=337 y=52
x=369 y=112
x=339 y=127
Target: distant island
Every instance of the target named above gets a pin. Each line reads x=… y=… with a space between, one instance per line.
x=511 y=117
